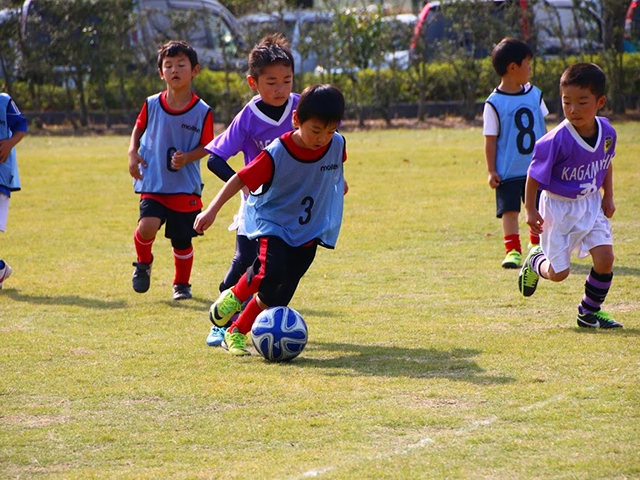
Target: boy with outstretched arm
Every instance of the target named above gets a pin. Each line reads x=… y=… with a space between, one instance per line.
x=297 y=186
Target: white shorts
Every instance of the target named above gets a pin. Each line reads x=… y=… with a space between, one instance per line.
x=571 y=225
x=4 y=211
x=238 y=218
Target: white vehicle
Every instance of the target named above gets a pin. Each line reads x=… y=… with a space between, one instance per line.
x=302 y=28
x=206 y=24
x=555 y=27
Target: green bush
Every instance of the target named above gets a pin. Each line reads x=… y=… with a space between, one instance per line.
x=228 y=92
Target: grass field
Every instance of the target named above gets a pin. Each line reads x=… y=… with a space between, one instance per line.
x=423 y=359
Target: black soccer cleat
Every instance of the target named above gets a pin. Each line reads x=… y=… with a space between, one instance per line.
x=141 y=279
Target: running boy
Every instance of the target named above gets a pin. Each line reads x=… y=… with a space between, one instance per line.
x=570 y=165
x=299 y=207
x=166 y=146
x=267 y=116
x=13 y=128
x=513 y=120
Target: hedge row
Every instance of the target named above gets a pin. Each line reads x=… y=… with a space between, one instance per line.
x=227 y=92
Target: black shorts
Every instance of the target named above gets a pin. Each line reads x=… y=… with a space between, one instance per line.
x=179 y=224
x=510 y=195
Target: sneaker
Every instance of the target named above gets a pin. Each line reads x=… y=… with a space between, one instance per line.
x=216 y=336
x=223 y=308
x=597 y=319
x=5 y=272
x=512 y=260
x=528 y=279
x=141 y=277
x=182 y=291
x=235 y=342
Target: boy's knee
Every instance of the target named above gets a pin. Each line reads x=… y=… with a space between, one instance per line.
x=558 y=276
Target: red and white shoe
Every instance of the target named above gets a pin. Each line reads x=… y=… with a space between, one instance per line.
x=5 y=273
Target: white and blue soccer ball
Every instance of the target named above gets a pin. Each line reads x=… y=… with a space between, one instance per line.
x=279 y=334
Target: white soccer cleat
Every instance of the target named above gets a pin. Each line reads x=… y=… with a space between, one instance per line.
x=5 y=273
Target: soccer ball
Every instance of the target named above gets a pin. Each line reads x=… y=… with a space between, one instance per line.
x=279 y=334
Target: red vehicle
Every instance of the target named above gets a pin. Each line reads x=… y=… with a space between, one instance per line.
x=632 y=28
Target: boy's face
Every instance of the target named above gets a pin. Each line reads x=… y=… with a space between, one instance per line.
x=274 y=84
x=580 y=106
x=177 y=71
x=313 y=133
x=521 y=73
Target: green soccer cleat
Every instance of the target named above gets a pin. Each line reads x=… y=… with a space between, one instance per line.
x=528 y=279
x=512 y=260
x=235 y=343
x=224 y=308
x=597 y=319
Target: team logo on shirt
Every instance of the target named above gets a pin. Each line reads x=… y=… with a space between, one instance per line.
x=608 y=141
x=192 y=128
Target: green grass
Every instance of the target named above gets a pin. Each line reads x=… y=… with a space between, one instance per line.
x=423 y=359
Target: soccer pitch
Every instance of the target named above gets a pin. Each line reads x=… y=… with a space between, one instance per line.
x=423 y=359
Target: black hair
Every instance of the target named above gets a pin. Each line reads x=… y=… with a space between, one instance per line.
x=322 y=102
x=509 y=50
x=585 y=75
x=272 y=49
x=173 y=48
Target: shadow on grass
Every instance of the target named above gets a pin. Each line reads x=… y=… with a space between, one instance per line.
x=64 y=300
x=626 y=332
x=456 y=364
x=195 y=303
x=618 y=270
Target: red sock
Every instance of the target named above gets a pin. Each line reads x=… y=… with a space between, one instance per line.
x=183 y=260
x=247 y=317
x=143 y=248
x=512 y=242
x=242 y=290
x=534 y=238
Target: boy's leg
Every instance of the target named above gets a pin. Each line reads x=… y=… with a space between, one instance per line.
x=5 y=270
x=513 y=249
x=596 y=288
x=280 y=268
x=243 y=259
x=180 y=231
x=151 y=219
x=509 y=197
x=183 y=263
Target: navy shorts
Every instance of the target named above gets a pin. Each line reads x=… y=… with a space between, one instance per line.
x=179 y=224
x=510 y=196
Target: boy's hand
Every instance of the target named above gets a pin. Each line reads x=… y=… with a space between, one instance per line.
x=608 y=207
x=178 y=160
x=494 y=179
x=204 y=220
x=534 y=220
x=135 y=160
x=5 y=150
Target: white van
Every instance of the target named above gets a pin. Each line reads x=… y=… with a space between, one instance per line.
x=301 y=27
x=205 y=24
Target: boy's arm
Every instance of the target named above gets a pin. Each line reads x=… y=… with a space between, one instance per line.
x=205 y=219
x=608 y=206
x=135 y=159
x=8 y=143
x=180 y=158
x=220 y=167
x=534 y=219
x=490 y=149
